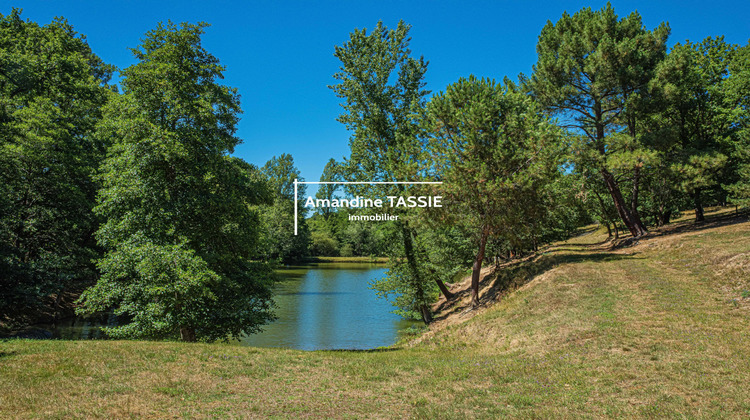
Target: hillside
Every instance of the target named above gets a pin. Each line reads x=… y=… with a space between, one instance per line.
x=650 y=328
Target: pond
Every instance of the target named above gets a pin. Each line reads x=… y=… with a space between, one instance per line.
x=330 y=306
x=319 y=306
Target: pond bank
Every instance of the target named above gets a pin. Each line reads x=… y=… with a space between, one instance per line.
x=375 y=260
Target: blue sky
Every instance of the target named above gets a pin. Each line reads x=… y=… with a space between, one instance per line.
x=279 y=54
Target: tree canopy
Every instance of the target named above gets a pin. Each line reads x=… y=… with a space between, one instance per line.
x=593 y=72
x=180 y=230
x=384 y=95
x=279 y=241
x=52 y=88
x=491 y=147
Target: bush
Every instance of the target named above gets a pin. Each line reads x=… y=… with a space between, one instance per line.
x=347 y=251
x=324 y=245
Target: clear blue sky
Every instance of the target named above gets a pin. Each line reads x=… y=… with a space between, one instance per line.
x=279 y=54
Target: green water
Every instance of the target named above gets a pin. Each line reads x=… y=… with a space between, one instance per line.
x=330 y=306
x=319 y=306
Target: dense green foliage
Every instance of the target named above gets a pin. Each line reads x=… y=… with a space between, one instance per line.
x=179 y=229
x=278 y=239
x=611 y=126
x=332 y=234
x=52 y=88
x=593 y=71
x=327 y=191
x=384 y=100
x=494 y=152
x=689 y=126
x=738 y=98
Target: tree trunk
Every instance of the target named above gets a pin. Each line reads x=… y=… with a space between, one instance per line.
x=634 y=196
x=698 y=205
x=632 y=223
x=664 y=217
x=411 y=261
x=444 y=290
x=426 y=314
x=56 y=310
x=635 y=226
x=605 y=213
x=477 y=268
x=187 y=334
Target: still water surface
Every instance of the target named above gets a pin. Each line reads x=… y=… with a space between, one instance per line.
x=330 y=306
x=319 y=306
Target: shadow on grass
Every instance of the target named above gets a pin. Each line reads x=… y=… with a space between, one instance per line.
x=509 y=276
x=506 y=278
x=377 y=350
x=4 y=354
x=712 y=221
x=586 y=230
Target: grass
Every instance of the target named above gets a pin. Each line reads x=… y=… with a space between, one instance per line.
x=653 y=329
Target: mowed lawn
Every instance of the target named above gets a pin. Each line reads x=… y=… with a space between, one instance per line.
x=653 y=329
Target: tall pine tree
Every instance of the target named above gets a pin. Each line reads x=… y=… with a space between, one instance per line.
x=593 y=73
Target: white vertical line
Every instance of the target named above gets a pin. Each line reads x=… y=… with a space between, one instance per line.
x=295 y=206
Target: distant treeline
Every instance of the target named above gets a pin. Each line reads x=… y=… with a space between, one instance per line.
x=127 y=199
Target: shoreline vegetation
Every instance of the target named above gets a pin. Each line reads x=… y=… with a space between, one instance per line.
x=324 y=259
x=586 y=327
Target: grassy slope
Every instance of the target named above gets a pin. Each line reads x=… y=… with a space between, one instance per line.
x=656 y=329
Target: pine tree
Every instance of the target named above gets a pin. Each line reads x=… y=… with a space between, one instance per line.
x=593 y=73
x=492 y=149
x=737 y=98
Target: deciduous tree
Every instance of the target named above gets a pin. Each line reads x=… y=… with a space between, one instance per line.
x=179 y=228
x=51 y=89
x=331 y=173
x=279 y=240
x=383 y=89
